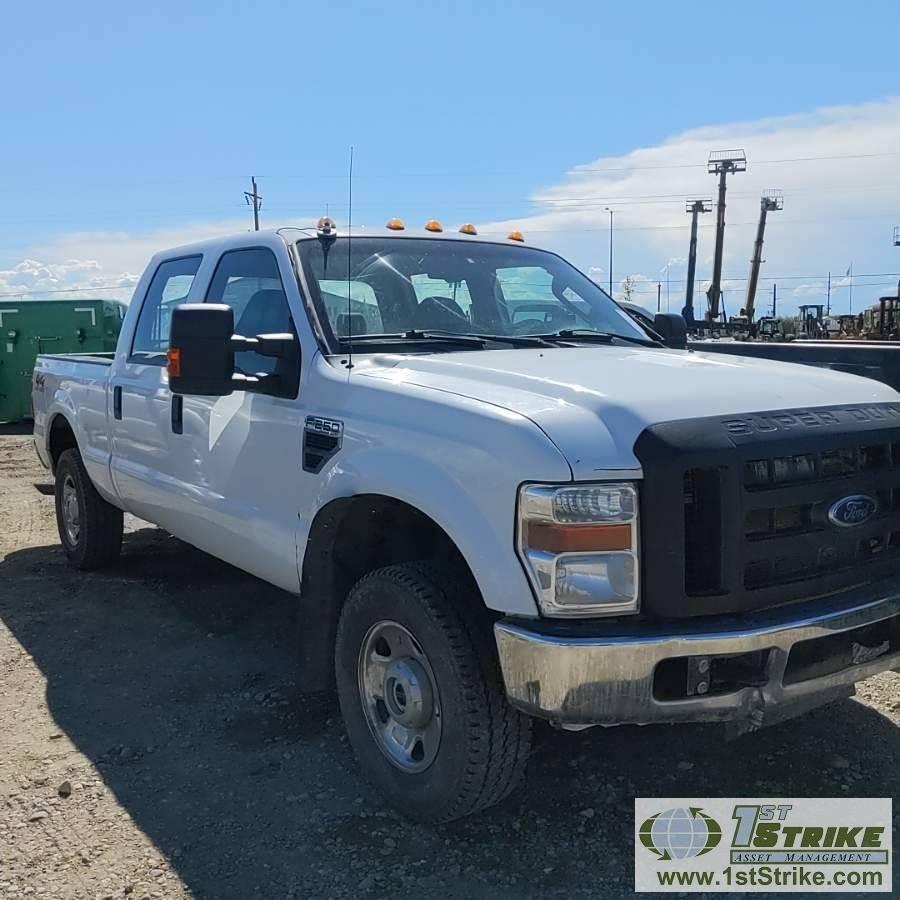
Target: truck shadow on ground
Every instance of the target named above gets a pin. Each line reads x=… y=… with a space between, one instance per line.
x=175 y=675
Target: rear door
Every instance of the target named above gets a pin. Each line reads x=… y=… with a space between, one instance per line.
x=140 y=404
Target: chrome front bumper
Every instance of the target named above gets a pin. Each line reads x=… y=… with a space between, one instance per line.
x=609 y=677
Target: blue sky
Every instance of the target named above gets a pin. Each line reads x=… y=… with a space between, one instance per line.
x=126 y=125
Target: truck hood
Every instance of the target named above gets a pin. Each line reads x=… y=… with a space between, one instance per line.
x=593 y=402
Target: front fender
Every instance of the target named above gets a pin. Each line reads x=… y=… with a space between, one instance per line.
x=480 y=522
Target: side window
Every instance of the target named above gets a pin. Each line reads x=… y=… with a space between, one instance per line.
x=456 y=292
x=169 y=286
x=527 y=292
x=364 y=315
x=442 y=304
x=249 y=282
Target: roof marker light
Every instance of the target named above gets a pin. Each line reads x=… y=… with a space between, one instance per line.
x=326 y=227
x=433 y=225
x=467 y=229
x=395 y=224
x=516 y=236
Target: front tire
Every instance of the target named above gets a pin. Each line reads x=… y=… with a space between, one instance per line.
x=90 y=529
x=422 y=696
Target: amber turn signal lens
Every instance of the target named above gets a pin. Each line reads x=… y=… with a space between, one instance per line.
x=516 y=236
x=173 y=362
x=433 y=225
x=395 y=225
x=578 y=538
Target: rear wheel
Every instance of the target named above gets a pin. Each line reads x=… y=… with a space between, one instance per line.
x=90 y=529
x=422 y=696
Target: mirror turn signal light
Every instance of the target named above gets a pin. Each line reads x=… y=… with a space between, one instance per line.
x=467 y=229
x=395 y=225
x=433 y=225
x=516 y=236
x=173 y=362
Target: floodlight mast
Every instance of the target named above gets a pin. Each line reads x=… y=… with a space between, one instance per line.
x=694 y=207
x=721 y=163
x=771 y=201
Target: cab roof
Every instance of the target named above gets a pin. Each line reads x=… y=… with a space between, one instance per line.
x=290 y=234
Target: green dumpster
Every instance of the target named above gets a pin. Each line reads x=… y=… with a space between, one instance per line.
x=29 y=327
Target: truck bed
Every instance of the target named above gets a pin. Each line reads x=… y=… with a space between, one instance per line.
x=101 y=359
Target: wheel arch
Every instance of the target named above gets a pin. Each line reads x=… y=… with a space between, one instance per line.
x=60 y=437
x=349 y=537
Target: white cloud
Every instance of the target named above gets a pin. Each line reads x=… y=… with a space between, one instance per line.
x=841 y=199
x=837 y=210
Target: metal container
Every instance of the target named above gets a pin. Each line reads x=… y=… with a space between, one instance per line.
x=30 y=327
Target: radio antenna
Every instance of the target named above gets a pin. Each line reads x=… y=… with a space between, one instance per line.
x=349 y=262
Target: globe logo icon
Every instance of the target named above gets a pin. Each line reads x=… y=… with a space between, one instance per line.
x=680 y=833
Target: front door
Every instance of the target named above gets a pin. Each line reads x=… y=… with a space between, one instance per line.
x=242 y=468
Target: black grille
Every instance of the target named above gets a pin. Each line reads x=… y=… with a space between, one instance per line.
x=735 y=512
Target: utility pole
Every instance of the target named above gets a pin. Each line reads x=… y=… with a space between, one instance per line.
x=721 y=163
x=253 y=199
x=610 y=250
x=658 y=295
x=850 y=273
x=771 y=201
x=694 y=207
x=829 y=294
x=774 y=300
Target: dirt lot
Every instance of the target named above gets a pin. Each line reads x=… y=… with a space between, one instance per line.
x=154 y=743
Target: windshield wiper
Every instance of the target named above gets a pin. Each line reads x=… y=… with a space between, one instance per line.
x=466 y=338
x=597 y=337
x=440 y=337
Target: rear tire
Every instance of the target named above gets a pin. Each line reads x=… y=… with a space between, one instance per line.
x=90 y=529
x=471 y=751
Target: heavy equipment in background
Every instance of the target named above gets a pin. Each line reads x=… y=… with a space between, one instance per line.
x=722 y=163
x=30 y=327
x=881 y=321
x=771 y=201
x=812 y=321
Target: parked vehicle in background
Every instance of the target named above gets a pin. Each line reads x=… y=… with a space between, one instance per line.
x=30 y=327
x=496 y=496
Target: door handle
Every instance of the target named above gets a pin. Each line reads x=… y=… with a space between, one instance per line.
x=177 y=414
x=117 y=401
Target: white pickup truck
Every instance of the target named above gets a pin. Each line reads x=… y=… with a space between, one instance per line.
x=494 y=494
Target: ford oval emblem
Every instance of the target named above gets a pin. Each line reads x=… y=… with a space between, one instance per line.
x=853 y=510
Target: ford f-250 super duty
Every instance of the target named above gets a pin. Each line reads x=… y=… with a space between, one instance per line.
x=494 y=494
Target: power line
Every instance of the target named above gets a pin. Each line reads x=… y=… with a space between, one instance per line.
x=735 y=278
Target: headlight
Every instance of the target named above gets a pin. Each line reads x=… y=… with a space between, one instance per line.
x=579 y=545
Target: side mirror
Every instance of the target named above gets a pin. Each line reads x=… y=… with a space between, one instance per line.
x=202 y=345
x=200 y=357
x=672 y=329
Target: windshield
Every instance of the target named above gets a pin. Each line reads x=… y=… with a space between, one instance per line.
x=401 y=285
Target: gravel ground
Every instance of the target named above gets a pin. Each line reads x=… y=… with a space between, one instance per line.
x=154 y=743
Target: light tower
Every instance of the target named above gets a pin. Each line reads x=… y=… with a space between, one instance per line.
x=771 y=201
x=694 y=207
x=721 y=163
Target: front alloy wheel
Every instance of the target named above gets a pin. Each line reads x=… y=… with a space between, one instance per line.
x=422 y=696
x=400 y=697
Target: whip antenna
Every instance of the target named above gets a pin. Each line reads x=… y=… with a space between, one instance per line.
x=349 y=261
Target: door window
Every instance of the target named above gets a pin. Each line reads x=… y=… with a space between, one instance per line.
x=249 y=282
x=169 y=286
